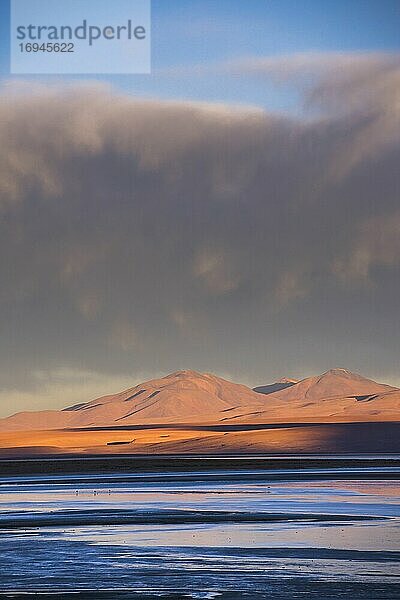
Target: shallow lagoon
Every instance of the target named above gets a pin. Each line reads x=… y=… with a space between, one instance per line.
x=229 y=534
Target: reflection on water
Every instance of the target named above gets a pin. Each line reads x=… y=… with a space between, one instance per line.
x=310 y=538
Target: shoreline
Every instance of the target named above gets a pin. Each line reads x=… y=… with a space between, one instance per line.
x=341 y=466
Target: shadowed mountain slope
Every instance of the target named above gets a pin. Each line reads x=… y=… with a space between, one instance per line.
x=282 y=384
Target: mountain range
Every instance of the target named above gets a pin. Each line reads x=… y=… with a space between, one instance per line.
x=191 y=411
x=191 y=397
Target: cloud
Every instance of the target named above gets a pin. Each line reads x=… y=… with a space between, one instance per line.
x=123 y=335
x=290 y=287
x=326 y=75
x=360 y=85
x=215 y=271
x=376 y=245
x=145 y=236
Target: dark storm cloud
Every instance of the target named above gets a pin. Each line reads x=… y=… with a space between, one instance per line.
x=145 y=236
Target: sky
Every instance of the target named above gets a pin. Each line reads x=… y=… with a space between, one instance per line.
x=236 y=212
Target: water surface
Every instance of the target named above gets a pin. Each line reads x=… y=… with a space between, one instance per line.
x=228 y=534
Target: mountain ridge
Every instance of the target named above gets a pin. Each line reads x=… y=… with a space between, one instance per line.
x=189 y=396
